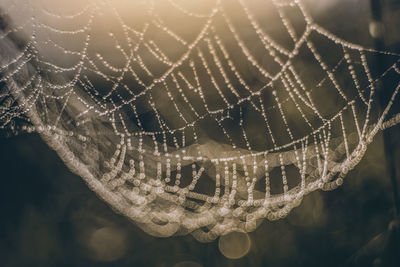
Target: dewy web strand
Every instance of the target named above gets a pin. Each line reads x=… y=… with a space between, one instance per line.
x=203 y=128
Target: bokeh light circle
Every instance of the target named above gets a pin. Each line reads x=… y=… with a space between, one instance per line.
x=234 y=245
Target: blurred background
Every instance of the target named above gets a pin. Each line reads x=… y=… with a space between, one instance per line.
x=49 y=217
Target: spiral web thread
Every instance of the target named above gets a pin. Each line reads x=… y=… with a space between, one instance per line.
x=191 y=131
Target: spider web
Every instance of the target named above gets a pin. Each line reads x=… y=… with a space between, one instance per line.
x=198 y=118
